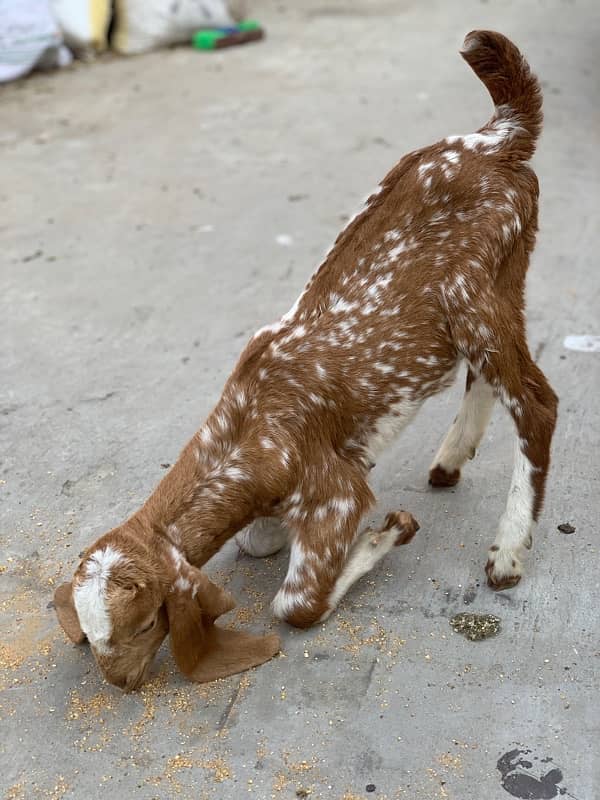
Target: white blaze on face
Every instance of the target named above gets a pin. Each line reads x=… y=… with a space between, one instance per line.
x=90 y=598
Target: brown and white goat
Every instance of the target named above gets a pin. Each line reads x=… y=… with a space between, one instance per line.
x=431 y=273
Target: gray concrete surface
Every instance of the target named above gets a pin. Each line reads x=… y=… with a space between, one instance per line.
x=140 y=205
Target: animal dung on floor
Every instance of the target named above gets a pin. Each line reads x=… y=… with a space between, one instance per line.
x=566 y=527
x=475 y=626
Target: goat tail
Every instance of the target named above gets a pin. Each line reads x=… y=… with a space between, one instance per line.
x=515 y=90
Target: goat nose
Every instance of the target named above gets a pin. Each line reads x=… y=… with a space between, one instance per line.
x=130 y=683
x=133 y=681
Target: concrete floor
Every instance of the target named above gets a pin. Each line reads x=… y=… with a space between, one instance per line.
x=141 y=205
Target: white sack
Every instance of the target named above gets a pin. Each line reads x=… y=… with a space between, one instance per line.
x=147 y=24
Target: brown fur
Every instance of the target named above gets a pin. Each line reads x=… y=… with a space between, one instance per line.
x=431 y=273
x=145 y=587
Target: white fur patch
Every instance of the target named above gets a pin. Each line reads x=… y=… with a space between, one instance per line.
x=491 y=138
x=423 y=168
x=344 y=506
x=296 y=564
x=368 y=549
x=273 y=328
x=286 y=601
x=341 y=306
x=235 y=474
x=183 y=584
x=517 y=521
x=264 y=537
x=389 y=426
x=174 y=534
x=177 y=557
x=468 y=428
x=453 y=156
x=90 y=598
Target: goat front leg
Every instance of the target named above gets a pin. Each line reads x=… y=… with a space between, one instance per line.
x=369 y=548
x=328 y=557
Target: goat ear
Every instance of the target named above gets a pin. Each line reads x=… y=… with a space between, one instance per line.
x=213 y=600
x=186 y=629
x=228 y=652
x=204 y=652
x=67 y=613
x=191 y=607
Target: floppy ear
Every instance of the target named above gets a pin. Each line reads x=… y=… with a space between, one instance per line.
x=213 y=600
x=192 y=605
x=67 y=614
x=185 y=629
x=203 y=651
x=229 y=652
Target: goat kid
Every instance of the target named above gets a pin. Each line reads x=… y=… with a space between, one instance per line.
x=429 y=274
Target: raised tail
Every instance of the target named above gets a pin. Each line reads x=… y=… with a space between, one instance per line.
x=515 y=90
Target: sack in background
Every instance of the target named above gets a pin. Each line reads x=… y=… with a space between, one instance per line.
x=84 y=24
x=142 y=25
x=29 y=38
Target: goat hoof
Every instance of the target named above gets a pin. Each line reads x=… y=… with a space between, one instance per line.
x=507 y=582
x=502 y=575
x=441 y=478
x=404 y=523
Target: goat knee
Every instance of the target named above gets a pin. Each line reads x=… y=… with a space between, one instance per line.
x=297 y=608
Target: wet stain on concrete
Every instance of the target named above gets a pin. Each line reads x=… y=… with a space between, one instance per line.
x=521 y=779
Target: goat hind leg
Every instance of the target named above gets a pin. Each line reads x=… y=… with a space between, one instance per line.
x=531 y=402
x=466 y=432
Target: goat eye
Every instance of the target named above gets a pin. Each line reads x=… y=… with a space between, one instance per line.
x=147 y=628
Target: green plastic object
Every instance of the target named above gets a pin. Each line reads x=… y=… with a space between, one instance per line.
x=208 y=39
x=249 y=25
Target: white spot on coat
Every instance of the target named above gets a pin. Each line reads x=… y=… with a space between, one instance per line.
x=182 y=584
